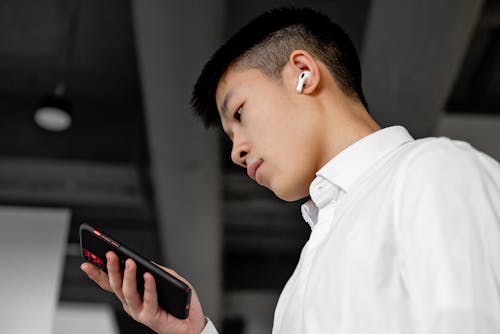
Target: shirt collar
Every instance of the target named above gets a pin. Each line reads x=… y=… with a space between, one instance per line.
x=351 y=163
x=346 y=167
x=310 y=213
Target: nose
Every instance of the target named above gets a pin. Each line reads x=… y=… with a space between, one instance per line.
x=239 y=152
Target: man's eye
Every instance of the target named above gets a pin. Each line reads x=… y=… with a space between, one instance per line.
x=237 y=114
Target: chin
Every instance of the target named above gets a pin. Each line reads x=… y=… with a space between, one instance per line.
x=290 y=196
x=288 y=189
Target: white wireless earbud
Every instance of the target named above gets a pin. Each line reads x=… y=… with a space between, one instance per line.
x=302 y=80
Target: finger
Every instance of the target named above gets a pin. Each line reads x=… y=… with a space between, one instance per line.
x=150 y=298
x=97 y=275
x=129 y=288
x=115 y=275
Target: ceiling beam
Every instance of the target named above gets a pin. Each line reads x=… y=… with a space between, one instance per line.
x=174 y=38
x=71 y=183
x=413 y=51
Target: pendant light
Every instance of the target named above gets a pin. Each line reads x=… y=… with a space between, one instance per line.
x=54 y=112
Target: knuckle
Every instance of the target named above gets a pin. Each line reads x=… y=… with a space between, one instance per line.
x=130 y=312
x=144 y=318
x=128 y=295
x=113 y=286
x=116 y=285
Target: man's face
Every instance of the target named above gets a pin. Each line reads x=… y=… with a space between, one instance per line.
x=275 y=137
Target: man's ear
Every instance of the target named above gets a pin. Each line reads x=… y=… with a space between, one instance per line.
x=299 y=62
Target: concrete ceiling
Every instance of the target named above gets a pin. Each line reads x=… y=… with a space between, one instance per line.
x=109 y=126
x=103 y=80
x=103 y=83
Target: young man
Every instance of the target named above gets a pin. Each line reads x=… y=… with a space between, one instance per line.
x=405 y=234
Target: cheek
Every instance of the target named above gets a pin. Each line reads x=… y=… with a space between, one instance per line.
x=293 y=173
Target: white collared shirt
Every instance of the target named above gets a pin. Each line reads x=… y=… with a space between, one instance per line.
x=405 y=239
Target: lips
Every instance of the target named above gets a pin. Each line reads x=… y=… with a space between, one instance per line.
x=252 y=169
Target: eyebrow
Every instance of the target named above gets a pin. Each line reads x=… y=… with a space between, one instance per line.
x=226 y=100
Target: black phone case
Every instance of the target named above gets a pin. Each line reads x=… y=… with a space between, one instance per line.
x=174 y=296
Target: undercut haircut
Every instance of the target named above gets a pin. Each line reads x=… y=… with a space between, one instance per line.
x=266 y=43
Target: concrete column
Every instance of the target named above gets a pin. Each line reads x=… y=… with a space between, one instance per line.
x=32 y=249
x=412 y=54
x=174 y=39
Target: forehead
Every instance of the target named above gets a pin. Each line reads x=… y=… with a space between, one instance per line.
x=237 y=80
x=235 y=87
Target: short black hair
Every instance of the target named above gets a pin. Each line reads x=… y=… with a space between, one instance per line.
x=266 y=43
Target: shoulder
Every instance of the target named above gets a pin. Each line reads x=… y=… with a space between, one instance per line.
x=435 y=170
x=440 y=159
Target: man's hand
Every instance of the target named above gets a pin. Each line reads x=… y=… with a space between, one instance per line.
x=145 y=310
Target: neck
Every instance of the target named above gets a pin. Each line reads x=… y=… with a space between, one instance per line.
x=346 y=122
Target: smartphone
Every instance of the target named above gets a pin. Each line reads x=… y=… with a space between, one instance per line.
x=174 y=296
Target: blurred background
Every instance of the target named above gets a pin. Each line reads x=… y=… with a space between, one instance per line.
x=133 y=161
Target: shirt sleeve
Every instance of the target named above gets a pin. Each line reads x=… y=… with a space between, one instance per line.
x=449 y=223
x=209 y=328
